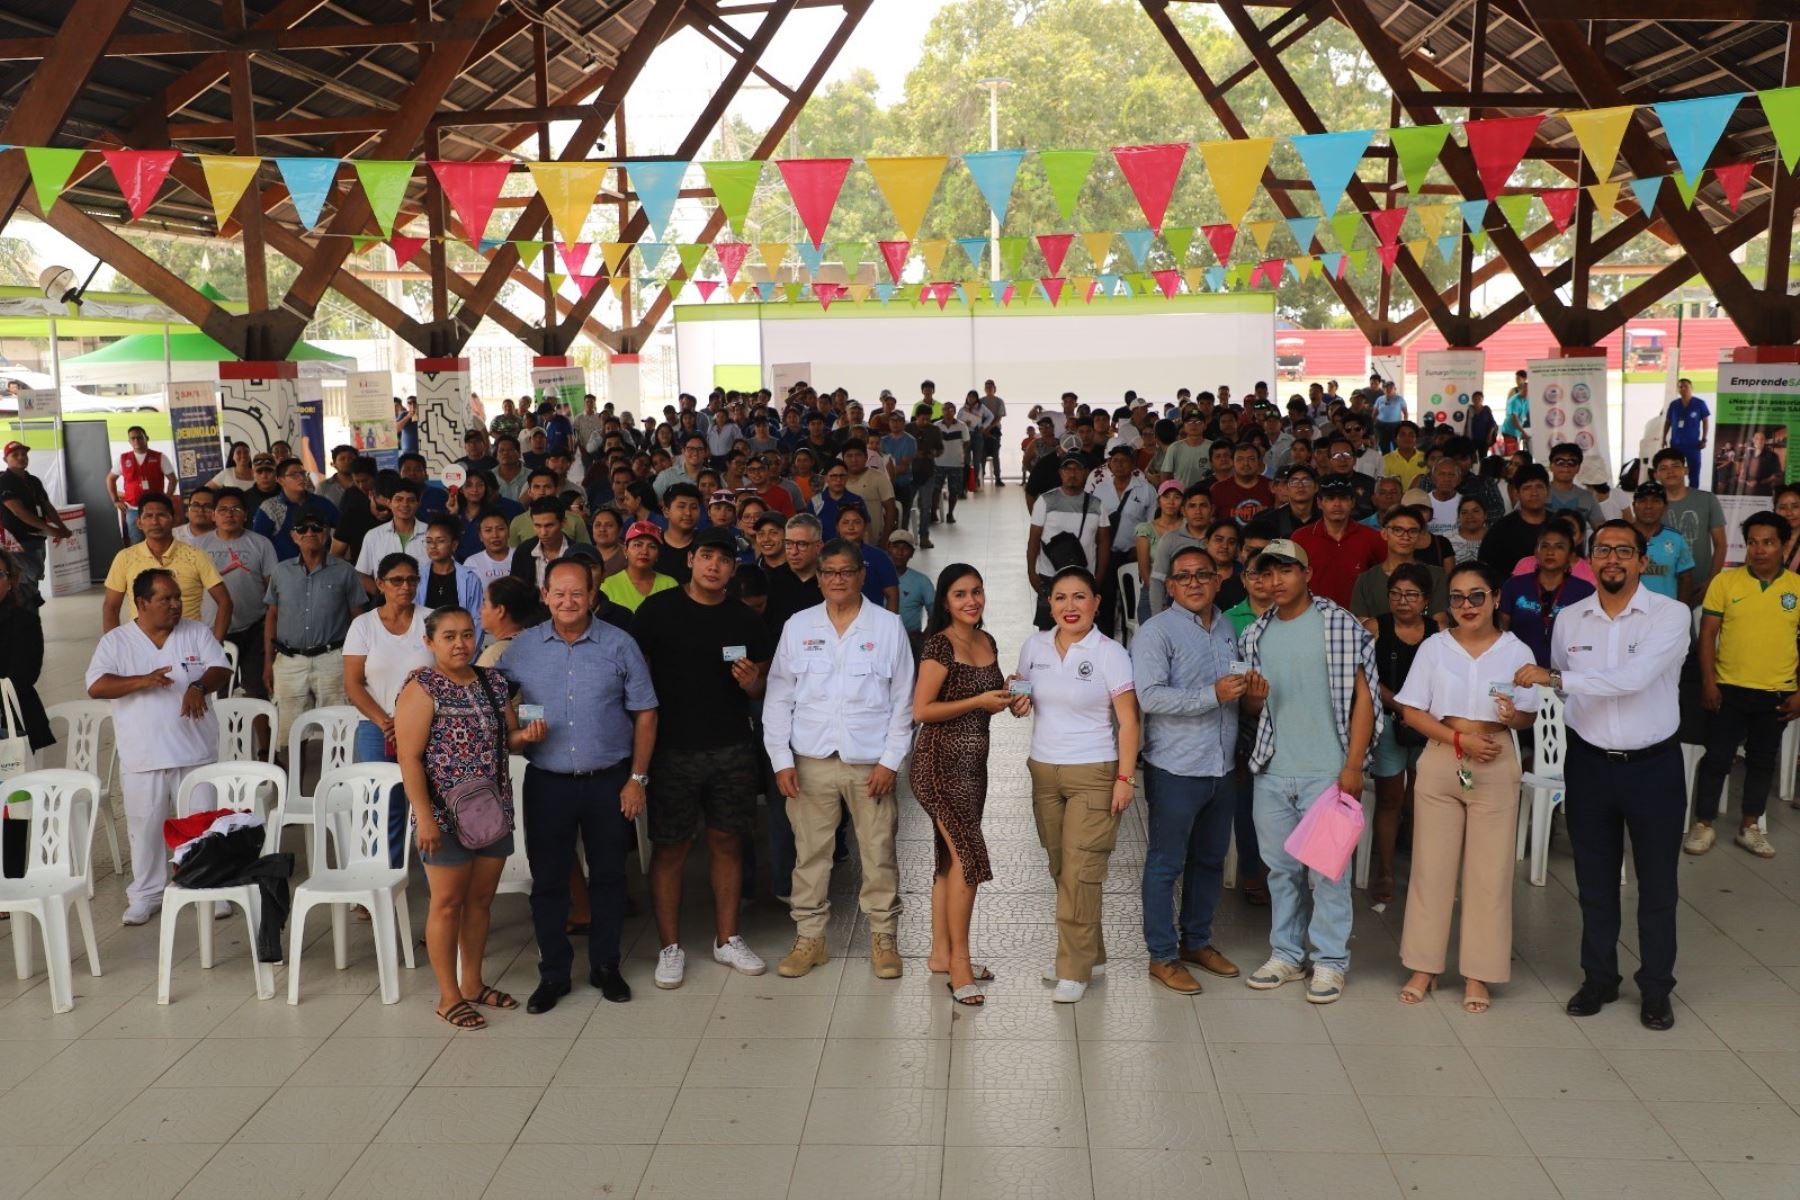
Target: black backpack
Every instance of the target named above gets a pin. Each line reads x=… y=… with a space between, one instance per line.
x=1067 y=549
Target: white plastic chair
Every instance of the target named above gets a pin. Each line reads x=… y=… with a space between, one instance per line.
x=1129 y=588
x=1365 y=846
x=356 y=796
x=238 y=786
x=1790 y=748
x=515 y=876
x=335 y=728
x=53 y=883
x=84 y=722
x=1542 y=788
x=231 y=660
x=237 y=729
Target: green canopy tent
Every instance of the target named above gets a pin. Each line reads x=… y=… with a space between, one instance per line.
x=191 y=354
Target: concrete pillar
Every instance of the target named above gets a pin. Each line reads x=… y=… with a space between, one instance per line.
x=624 y=384
x=443 y=391
x=257 y=401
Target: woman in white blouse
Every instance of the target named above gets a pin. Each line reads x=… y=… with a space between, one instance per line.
x=382 y=649
x=1459 y=694
x=1082 y=768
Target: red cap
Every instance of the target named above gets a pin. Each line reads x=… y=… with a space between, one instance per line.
x=644 y=529
x=11 y=446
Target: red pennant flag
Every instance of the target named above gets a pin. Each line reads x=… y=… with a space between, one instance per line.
x=1055 y=248
x=706 y=288
x=731 y=257
x=1732 y=177
x=1168 y=281
x=1152 y=171
x=574 y=257
x=1497 y=146
x=1006 y=297
x=1092 y=287
x=1387 y=223
x=1388 y=254
x=895 y=254
x=1270 y=269
x=1343 y=265
x=1053 y=288
x=1561 y=204
x=140 y=174
x=941 y=293
x=472 y=188
x=585 y=283
x=825 y=293
x=1221 y=238
x=813 y=184
x=405 y=248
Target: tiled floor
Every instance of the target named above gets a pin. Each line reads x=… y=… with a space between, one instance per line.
x=842 y=1085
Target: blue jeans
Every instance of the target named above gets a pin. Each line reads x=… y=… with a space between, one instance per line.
x=1190 y=831
x=1280 y=803
x=371 y=746
x=129 y=530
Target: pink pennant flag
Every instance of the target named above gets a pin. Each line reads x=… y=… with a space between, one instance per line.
x=1497 y=146
x=405 y=248
x=472 y=188
x=1006 y=297
x=1092 y=287
x=1152 y=171
x=1221 y=238
x=825 y=293
x=1055 y=248
x=1733 y=177
x=1053 y=288
x=706 y=288
x=1387 y=223
x=1168 y=281
x=585 y=283
x=895 y=255
x=574 y=257
x=1561 y=205
x=1387 y=254
x=140 y=174
x=731 y=257
x=941 y=293
x=1270 y=269
x=813 y=184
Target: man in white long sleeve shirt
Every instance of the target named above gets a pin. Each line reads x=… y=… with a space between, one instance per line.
x=837 y=722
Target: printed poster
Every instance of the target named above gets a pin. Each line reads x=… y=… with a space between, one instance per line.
x=194 y=423
x=1389 y=364
x=307 y=421
x=1755 y=415
x=40 y=404
x=560 y=385
x=1446 y=378
x=1569 y=404
x=369 y=408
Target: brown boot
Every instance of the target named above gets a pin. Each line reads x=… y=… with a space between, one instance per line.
x=884 y=956
x=1175 y=977
x=808 y=952
x=1209 y=959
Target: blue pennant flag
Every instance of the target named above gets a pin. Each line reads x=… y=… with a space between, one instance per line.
x=766 y=289
x=811 y=255
x=1137 y=241
x=884 y=291
x=1645 y=190
x=488 y=245
x=1109 y=283
x=997 y=292
x=973 y=247
x=1334 y=262
x=1474 y=214
x=308 y=181
x=961 y=294
x=1694 y=127
x=1303 y=229
x=658 y=186
x=994 y=172
x=1331 y=160
x=1448 y=246
x=652 y=253
x=1215 y=278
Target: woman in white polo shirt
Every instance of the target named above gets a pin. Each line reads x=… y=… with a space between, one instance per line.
x=1084 y=748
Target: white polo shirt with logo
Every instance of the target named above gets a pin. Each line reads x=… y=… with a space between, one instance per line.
x=1072 y=697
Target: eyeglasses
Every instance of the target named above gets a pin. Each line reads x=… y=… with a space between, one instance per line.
x=1410 y=596
x=841 y=572
x=1599 y=553
x=1342 y=454
x=1186 y=578
x=1405 y=530
x=1564 y=462
x=401 y=581
x=224 y=510
x=1473 y=599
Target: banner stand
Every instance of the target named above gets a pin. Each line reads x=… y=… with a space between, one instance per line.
x=1755 y=434
x=1570 y=402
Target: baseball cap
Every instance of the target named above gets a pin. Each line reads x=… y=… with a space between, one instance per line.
x=1647 y=488
x=11 y=446
x=1072 y=458
x=264 y=459
x=1415 y=497
x=644 y=529
x=718 y=536
x=904 y=535
x=771 y=518
x=1169 y=485
x=1121 y=448
x=724 y=496
x=1282 y=550
x=1337 y=485
x=311 y=514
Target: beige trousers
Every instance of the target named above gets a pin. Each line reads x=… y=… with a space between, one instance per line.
x=305 y=683
x=827 y=787
x=1473 y=831
x=1077 y=828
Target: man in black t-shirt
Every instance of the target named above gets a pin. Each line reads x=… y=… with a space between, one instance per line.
x=708 y=654
x=794 y=585
x=25 y=509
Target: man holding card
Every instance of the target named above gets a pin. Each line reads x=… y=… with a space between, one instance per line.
x=708 y=654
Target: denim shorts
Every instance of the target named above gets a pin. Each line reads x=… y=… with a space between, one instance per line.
x=1391 y=758
x=453 y=853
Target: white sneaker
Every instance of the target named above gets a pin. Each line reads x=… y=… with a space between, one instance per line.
x=1753 y=839
x=1327 y=986
x=671 y=967
x=222 y=909
x=739 y=957
x=1273 y=974
x=139 y=914
x=1068 y=991
x=1050 y=975
x=1699 y=839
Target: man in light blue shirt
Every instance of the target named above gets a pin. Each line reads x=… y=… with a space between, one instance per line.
x=916 y=592
x=1669 y=569
x=1181 y=663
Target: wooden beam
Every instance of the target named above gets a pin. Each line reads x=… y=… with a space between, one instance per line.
x=375 y=122
x=1781 y=199
x=1656 y=286
x=1564 y=272
x=259 y=41
x=243 y=129
x=1528 y=101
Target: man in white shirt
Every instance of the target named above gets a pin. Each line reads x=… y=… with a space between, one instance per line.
x=1068 y=509
x=158 y=671
x=837 y=724
x=401 y=535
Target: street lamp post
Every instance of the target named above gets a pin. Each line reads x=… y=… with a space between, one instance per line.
x=993 y=84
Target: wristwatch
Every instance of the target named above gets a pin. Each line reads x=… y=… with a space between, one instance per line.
x=1556 y=680
x=197 y=686
x=641 y=780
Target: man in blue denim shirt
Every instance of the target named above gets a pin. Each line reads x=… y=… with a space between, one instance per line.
x=1181 y=662
x=586 y=778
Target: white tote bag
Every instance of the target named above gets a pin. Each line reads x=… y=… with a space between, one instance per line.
x=15 y=747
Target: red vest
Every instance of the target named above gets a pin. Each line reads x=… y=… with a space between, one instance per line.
x=139 y=480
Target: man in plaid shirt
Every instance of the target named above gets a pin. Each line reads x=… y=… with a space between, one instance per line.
x=1313 y=689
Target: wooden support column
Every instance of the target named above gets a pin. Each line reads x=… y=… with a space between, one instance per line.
x=243 y=126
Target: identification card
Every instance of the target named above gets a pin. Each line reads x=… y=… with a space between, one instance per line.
x=1238 y=667
x=1501 y=691
x=732 y=653
x=1019 y=687
x=530 y=712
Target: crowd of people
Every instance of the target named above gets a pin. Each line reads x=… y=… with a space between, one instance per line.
x=1247 y=605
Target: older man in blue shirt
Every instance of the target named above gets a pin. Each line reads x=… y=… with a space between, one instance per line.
x=1182 y=663
x=586 y=778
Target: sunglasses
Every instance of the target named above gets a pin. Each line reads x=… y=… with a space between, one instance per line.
x=306 y=528
x=1473 y=599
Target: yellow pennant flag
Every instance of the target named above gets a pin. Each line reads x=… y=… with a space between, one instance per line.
x=1097 y=245
x=933 y=254
x=1605 y=197
x=908 y=185
x=736 y=288
x=1303 y=266
x=612 y=254
x=1260 y=232
x=860 y=291
x=556 y=281
x=1196 y=280
x=1236 y=167
x=1599 y=132
x=1082 y=284
x=1417 y=248
x=618 y=284
x=568 y=189
x=771 y=254
x=1432 y=217
x=228 y=177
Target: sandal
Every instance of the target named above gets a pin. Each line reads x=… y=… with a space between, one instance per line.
x=1475 y=1004
x=1413 y=994
x=463 y=1016
x=981 y=972
x=492 y=997
x=1381 y=891
x=968 y=995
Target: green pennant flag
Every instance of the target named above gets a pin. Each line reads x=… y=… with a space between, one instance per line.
x=791 y=291
x=851 y=254
x=384 y=185
x=690 y=254
x=1417 y=147
x=50 y=168
x=1178 y=241
x=675 y=285
x=1345 y=225
x=529 y=252
x=1065 y=171
x=1517 y=210
x=734 y=185
x=1012 y=254
x=1688 y=191
x=1357 y=259
x=359 y=244
x=1781 y=108
x=1479 y=240
x=556 y=282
